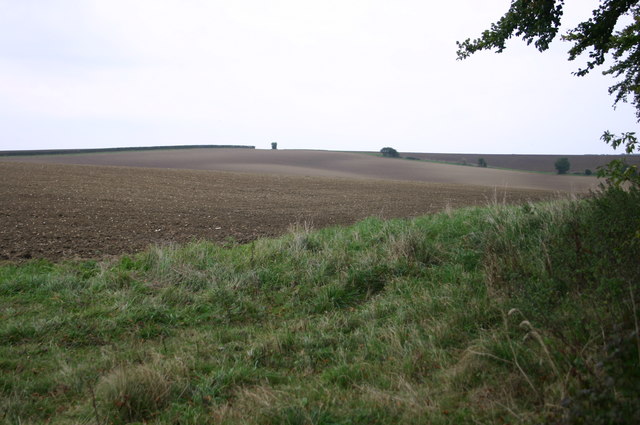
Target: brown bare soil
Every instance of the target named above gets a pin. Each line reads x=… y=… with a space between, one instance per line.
x=59 y=211
x=325 y=164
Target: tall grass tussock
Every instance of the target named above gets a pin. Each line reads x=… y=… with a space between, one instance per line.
x=504 y=314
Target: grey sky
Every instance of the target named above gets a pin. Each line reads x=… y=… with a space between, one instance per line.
x=345 y=75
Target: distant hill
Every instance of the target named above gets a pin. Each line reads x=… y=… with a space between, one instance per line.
x=321 y=163
x=127 y=149
x=545 y=163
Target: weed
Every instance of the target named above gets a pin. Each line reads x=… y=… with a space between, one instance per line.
x=136 y=392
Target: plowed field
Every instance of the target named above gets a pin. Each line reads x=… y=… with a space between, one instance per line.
x=322 y=164
x=59 y=211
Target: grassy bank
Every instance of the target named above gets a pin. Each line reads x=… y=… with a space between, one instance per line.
x=480 y=316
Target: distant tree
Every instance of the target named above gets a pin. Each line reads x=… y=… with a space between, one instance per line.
x=274 y=145
x=562 y=165
x=389 y=152
x=482 y=163
x=588 y=172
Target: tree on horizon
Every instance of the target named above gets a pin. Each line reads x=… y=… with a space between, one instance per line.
x=389 y=152
x=562 y=165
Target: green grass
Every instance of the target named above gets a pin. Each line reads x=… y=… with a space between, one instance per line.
x=504 y=314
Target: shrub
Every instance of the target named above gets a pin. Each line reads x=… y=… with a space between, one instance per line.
x=274 y=145
x=482 y=163
x=618 y=172
x=571 y=270
x=134 y=393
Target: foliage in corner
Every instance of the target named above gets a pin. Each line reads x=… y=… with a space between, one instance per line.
x=538 y=22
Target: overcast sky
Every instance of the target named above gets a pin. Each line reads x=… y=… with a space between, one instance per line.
x=321 y=74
